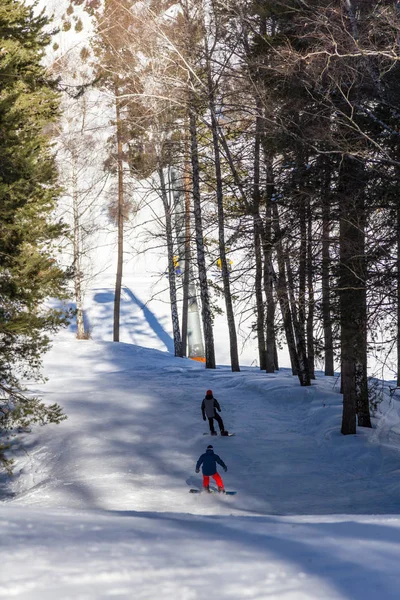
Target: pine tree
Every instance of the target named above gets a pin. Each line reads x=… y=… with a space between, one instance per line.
x=328 y=72
x=28 y=192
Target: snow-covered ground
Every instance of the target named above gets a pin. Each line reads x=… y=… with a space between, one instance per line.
x=99 y=506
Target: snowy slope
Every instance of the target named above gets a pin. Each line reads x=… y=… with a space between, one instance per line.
x=100 y=508
x=149 y=556
x=134 y=416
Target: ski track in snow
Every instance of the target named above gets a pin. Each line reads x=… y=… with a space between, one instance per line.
x=99 y=506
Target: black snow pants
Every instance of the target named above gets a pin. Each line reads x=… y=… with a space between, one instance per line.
x=219 y=421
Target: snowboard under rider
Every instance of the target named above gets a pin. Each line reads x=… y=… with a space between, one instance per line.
x=208 y=461
x=209 y=408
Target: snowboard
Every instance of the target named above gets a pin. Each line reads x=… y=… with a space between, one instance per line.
x=197 y=491
x=226 y=435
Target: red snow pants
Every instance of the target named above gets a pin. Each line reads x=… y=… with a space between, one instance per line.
x=217 y=478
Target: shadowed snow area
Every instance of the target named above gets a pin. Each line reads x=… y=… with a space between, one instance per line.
x=99 y=505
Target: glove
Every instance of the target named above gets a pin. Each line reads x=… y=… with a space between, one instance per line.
x=197 y=470
x=204 y=419
x=225 y=469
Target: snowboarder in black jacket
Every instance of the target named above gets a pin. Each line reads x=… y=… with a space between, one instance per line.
x=209 y=408
x=209 y=461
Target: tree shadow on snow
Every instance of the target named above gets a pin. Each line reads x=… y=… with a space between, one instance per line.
x=146 y=429
x=71 y=306
x=355 y=558
x=133 y=324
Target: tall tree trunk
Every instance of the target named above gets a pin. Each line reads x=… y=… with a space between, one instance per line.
x=258 y=236
x=233 y=346
x=302 y=263
x=310 y=293
x=260 y=313
x=271 y=354
x=283 y=296
x=171 y=266
x=398 y=294
x=120 y=219
x=326 y=288
x=276 y=359
x=271 y=349
x=298 y=328
x=186 y=263
x=353 y=306
x=201 y=262
x=191 y=325
x=80 y=334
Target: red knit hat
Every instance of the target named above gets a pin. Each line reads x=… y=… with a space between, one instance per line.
x=209 y=393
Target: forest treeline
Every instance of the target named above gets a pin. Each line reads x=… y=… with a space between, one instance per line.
x=281 y=118
x=269 y=130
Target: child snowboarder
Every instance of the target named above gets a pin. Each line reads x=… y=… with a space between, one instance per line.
x=209 y=461
x=209 y=407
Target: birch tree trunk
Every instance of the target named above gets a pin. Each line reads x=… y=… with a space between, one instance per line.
x=302 y=265
x=326 y=288
x=271 y=348
x=398 y=294
x=276 y=359
x=258 y=237
x=260 y=313
x=310 y=293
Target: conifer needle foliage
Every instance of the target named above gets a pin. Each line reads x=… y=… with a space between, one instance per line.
x=29 y=273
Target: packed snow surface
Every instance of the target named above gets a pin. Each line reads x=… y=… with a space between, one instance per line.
x=99 y=505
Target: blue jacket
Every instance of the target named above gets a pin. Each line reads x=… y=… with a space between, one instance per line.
x=209 y=461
